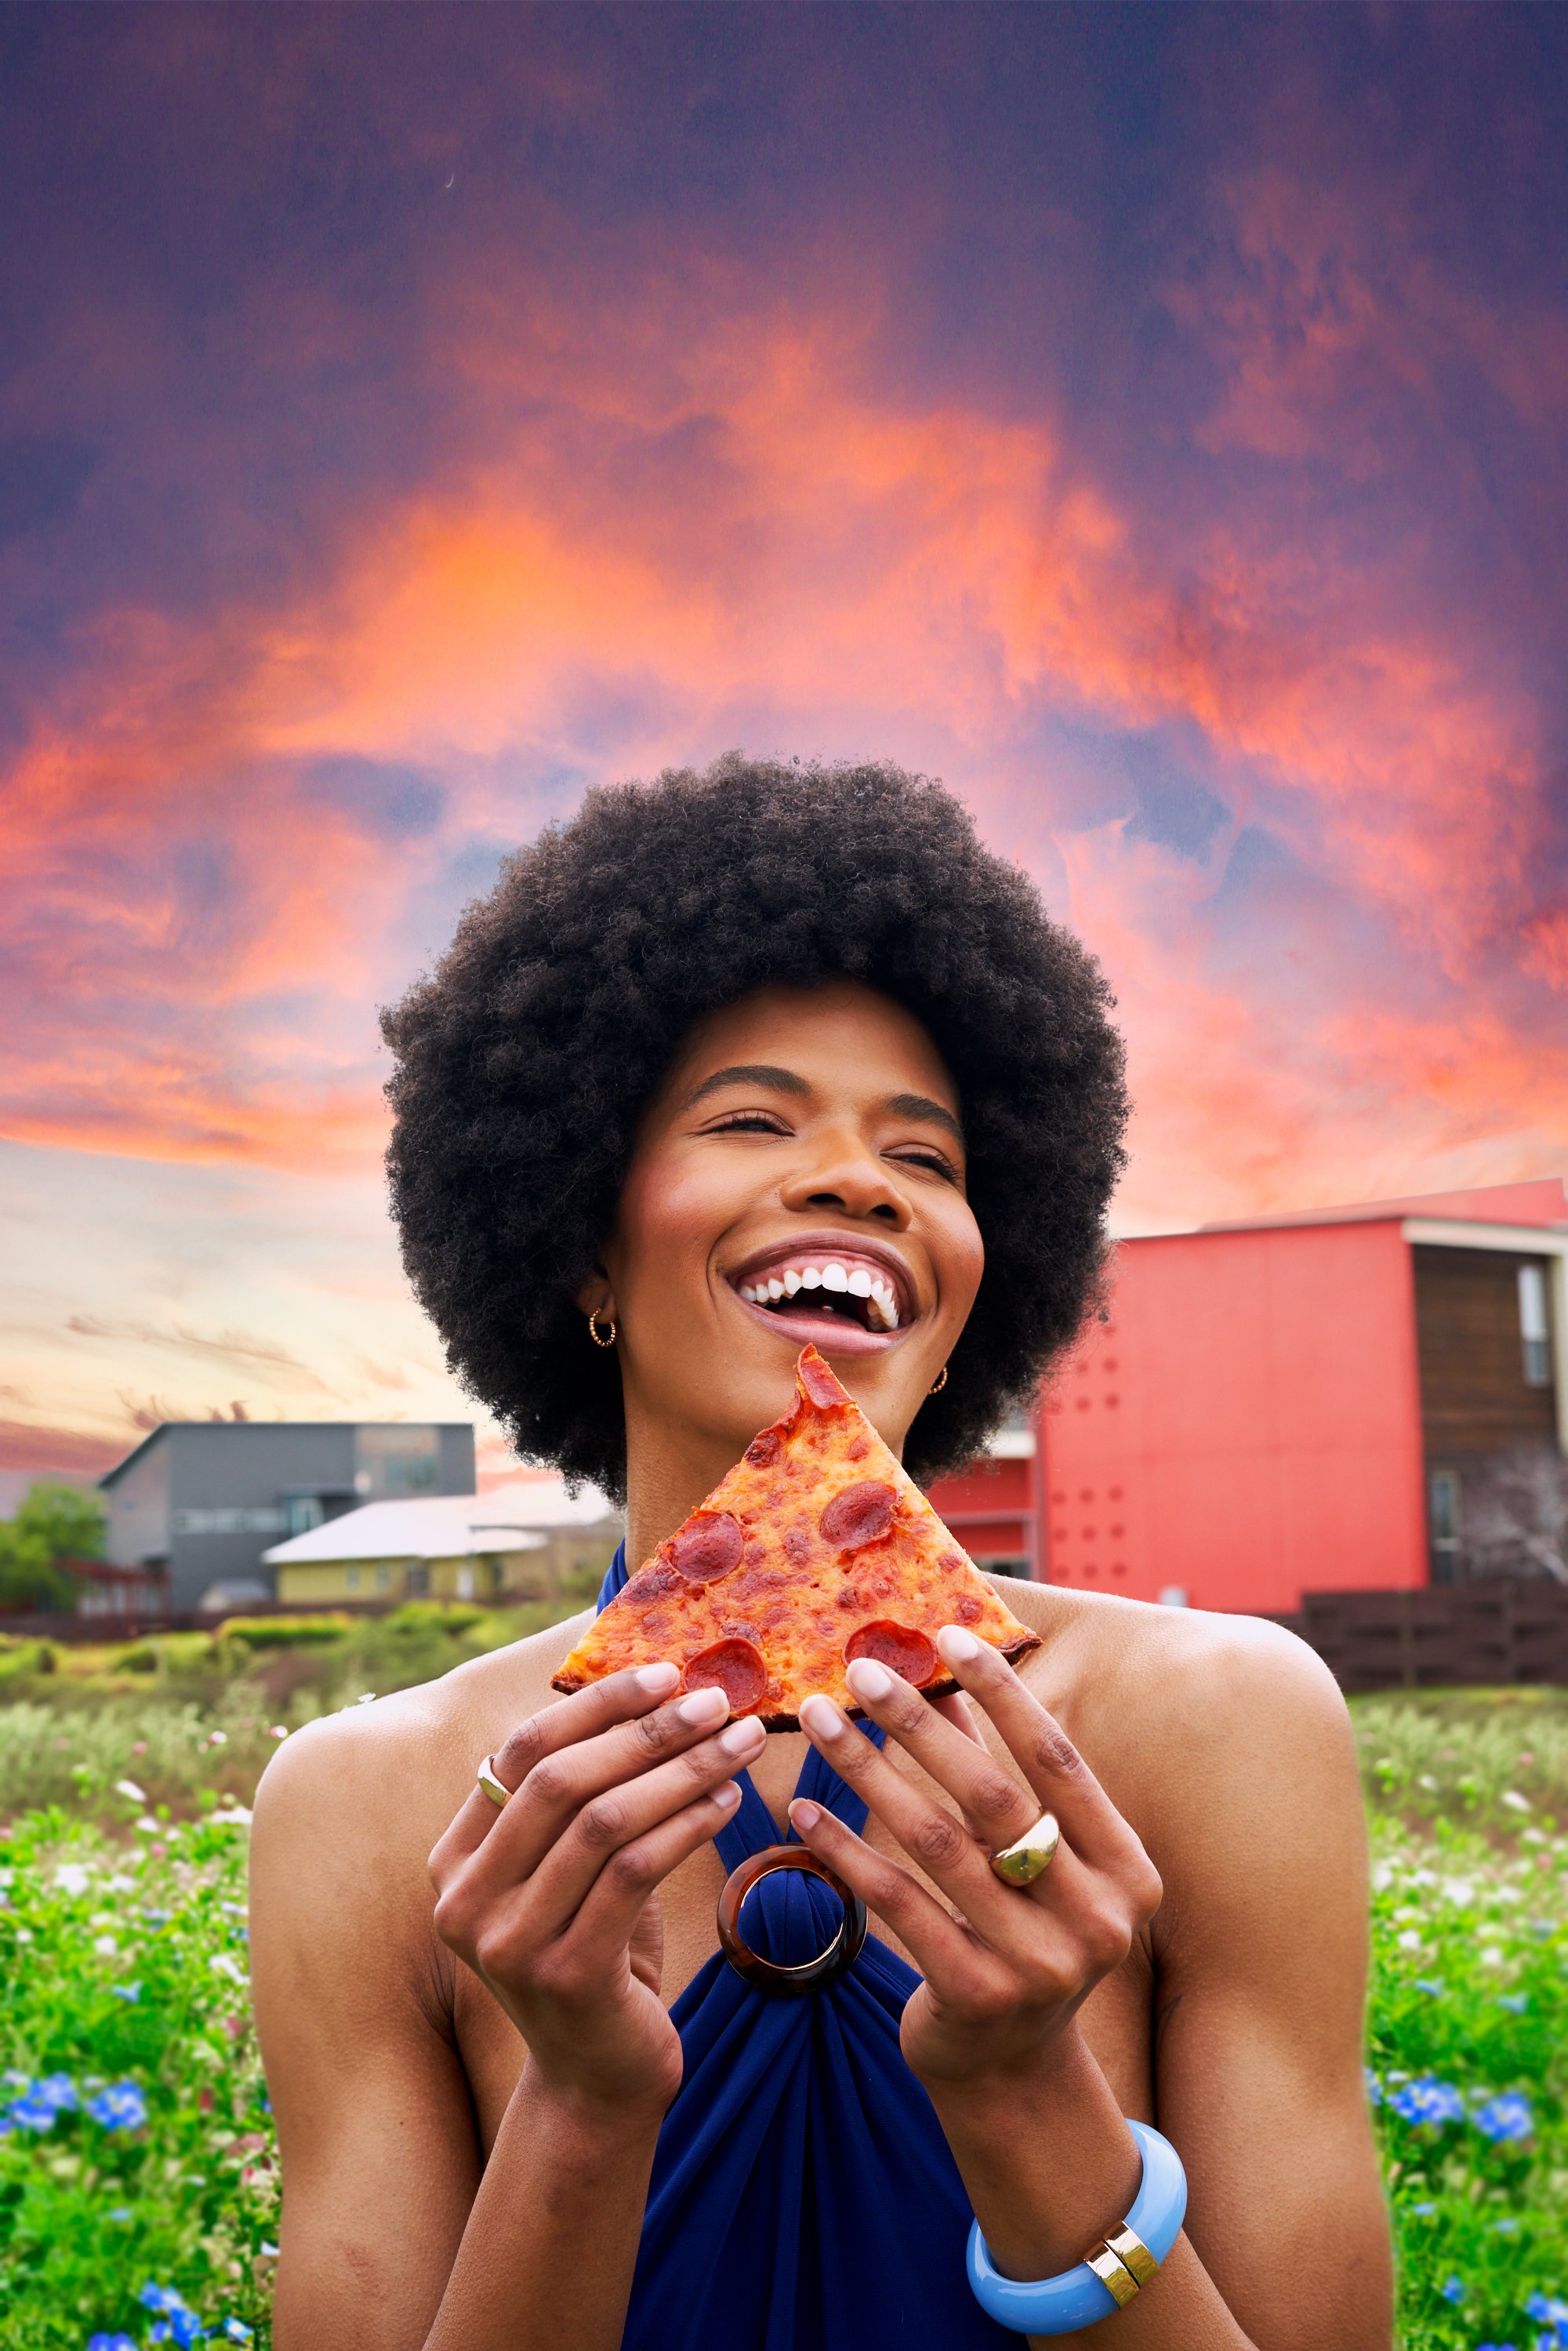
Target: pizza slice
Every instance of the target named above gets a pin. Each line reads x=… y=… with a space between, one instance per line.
x=818 y=1548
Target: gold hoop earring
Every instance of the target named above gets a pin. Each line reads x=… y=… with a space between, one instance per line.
x=593 y=1331
x=939 y=1382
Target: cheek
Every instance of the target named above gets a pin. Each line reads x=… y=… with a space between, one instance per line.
x=960 y=1260
x=669 y=1219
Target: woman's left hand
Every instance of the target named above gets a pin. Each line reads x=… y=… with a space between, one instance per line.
x=1007 y=1966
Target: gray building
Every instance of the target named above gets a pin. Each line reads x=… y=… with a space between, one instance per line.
x=201 y=1501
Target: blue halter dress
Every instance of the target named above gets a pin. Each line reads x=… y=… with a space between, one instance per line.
x=803 y=2195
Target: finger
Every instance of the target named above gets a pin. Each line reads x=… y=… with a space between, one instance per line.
x=995 y=1808
x=585 y=1715
x=931 y=1935
x=604 y=1922
x=941 y=1846
x=956 y=1708
x=560 y=1783
x=623 y=1814
x=1041 y=1749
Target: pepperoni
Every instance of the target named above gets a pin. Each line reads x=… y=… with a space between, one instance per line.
x=707 y=1546
x=733 y=1667
x=817 y=1380
x=861 y=1514
x=797 y=1546
x=897 y=1647
x=968 y=1607
x=764 y=1450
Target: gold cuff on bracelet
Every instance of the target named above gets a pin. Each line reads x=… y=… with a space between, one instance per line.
x=1133 y=2253
x=1113 y=2273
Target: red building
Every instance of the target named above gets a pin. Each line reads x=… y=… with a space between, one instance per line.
x=1362 y=1398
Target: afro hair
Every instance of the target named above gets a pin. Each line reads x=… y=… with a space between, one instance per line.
x=523 y=1064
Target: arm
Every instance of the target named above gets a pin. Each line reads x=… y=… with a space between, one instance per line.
x=1259 y=2070
x=395 y=2234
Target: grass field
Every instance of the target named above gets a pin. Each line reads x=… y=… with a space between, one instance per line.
x=138 y=2185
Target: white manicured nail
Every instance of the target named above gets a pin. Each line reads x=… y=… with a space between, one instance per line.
x=703 y=1706
x=658 y=1678
x=740 y=1736
x=957 y=1646
x=727 y=1797
x=822 y=1717
x=868 y=1679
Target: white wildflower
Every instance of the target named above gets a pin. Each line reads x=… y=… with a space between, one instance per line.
x=1514 y=1801
x=71 y=1877
x=1410 y=1940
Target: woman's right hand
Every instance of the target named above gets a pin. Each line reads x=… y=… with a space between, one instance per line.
x=552 y=1900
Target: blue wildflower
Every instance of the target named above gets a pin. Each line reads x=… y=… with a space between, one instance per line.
x=1546 y=2305
x=126 y=1991
x=1374 y=2086
x=110 y=2343
x=120 y=2107
x=1452 y=2289
x=185 y=2327
x=236 y=2330
x=1516 y=2003
x=1507 y=2119
x=160 y=2297
x=56 y=2091
x=1423 y=2211
x=118 y=2212
x=1431 y=1987
x=1429 y=2100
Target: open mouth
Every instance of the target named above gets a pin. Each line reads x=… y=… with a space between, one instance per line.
x=828 y=1294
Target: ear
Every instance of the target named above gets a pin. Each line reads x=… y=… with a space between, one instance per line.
x=596 y=1297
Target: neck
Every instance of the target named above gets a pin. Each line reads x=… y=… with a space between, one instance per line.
x=668 y=1473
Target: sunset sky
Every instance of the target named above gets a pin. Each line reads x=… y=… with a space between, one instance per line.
x=1153 y=421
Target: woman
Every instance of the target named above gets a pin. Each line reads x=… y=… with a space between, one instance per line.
x=705 y=1029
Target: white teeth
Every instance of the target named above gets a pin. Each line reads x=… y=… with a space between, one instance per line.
x=835 y=1278
x=775 y=1288
x=810 y=1277
x=748 y=1294
x=881 y=1297
x=859 y=1283
x=791 y=1282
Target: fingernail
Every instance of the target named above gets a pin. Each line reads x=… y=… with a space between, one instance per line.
x=957 y=1646
x=868 y=1679
x=740 y=1736
x=822 y=1717
x=658 y=1678
x=802 y=1812
x=727 y=1797
x=703 y=1706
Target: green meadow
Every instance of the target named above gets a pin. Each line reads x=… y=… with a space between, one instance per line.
x=137 y=2176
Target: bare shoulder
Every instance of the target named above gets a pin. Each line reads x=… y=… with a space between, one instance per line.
x=379 y=1782
x=1188 y=1715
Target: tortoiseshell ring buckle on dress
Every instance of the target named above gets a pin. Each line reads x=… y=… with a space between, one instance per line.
x=767 y=1975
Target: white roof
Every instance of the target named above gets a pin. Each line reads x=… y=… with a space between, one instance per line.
x=516 y=1517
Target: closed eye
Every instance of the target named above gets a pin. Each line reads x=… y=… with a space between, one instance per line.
x=747 y=1122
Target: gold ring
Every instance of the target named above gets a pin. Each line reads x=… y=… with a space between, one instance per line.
x=1031 y=1856
x=495 y=1789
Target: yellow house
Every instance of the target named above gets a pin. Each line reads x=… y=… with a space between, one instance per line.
x=519 y=1541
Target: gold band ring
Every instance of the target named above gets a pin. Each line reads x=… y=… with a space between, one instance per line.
x=495 y=1789
x=1031 y=1856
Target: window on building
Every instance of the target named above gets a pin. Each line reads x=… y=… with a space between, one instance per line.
x=1443 y=1524
x=352 y=1579
x=303 y=1511
x=1533 y=1328
x=383 y=1579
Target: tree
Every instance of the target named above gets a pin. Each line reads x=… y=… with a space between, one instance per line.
x=55 y=1521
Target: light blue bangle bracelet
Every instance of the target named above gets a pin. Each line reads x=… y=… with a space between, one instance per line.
x=1059 y=2305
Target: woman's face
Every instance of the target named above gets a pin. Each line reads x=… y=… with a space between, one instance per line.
x=799 y=1178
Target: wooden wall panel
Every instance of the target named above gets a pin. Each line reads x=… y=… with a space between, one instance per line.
x=1474 y=1398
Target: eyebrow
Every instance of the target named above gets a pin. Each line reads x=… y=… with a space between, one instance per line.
x=788 y=1082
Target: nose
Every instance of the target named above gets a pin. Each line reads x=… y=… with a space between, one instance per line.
x=843 y=1173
